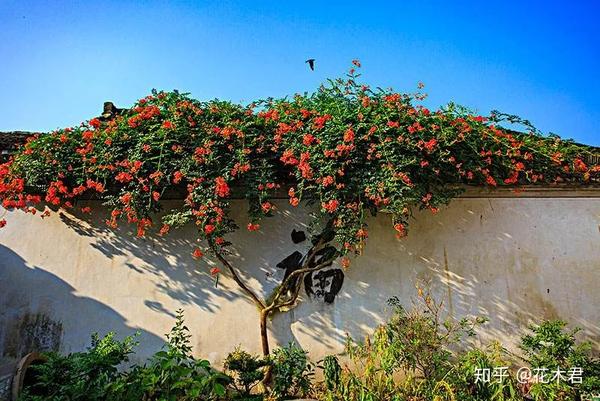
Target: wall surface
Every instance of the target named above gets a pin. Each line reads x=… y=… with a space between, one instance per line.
x=514 y=259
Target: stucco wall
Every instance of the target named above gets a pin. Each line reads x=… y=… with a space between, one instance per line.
x=512 y=259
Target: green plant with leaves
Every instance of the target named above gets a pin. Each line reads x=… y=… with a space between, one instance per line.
x=81 y=376
x=292 y=372
x=465 y=381
x=246 y=370
x=331 y=372
x=172 y=374
x=347 y=150
x=550 y=348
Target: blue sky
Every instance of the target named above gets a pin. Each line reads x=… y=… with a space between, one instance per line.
x=60 y=60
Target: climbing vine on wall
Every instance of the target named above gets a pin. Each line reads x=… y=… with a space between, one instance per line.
x=350 y=149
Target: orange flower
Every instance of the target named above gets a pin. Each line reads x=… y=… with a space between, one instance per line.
x=349 y=135
x=331 y=205
x=294 y=201
x=87 y=135
x=327 y=181
x=308 y=139
x=580 y=165
x=177 y=176
x=126 y=198
x=345 y=262
x=253 y=227
x=399 y=227
x=266 y=207
x=197 y=253
x=362 y=233
x=124 y=177
x=214 y=271
x=514 y=177
x=430 y=145
x=164 y=229
x=221 y=187
x=209 y=229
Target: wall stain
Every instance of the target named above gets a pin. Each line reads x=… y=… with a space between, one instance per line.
x=32 y=332
x=448 y=282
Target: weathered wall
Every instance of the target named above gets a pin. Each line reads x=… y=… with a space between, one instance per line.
x=512 y=259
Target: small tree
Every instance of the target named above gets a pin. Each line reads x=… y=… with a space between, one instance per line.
x=346 y=150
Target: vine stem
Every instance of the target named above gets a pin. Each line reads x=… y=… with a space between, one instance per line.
x=264 y=309
x=259 y=303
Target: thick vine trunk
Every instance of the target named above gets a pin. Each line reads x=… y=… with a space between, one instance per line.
x=264 y=335
x=264 y=340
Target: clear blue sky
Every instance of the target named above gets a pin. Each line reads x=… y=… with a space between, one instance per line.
x=60 y=60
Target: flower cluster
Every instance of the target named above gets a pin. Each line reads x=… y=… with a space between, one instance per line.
x=350 y=149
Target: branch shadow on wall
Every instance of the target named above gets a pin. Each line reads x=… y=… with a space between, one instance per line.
x=168 y=259
x=388 y=268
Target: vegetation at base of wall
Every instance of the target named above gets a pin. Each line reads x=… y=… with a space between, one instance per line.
x=419 y=354
x=171 y=374
x=80 y=376
x=292 y=372
x=422 y=355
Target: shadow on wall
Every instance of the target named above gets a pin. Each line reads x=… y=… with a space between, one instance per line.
x=36 y=309
x=514 y=267
x=180 y=277
x=514 y=270
x=168 y=259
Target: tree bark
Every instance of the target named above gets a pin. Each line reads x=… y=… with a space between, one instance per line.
x=264 y=339
x=264 y=335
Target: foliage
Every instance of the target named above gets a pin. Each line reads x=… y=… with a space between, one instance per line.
x=465 y=382
x=347 y=148
x=418 y=355
x=331 y=372
x=172 y=374
x=292 y=372
x=82 y=375
x=551 y=346
x=246 y=369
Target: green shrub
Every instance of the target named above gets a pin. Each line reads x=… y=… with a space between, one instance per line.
x=246 y=369
x=551 y=346
x=464 y=378
x=81 y=375
x=292 y=372
x=331 y=372
x=172 y=374
x=409 y=357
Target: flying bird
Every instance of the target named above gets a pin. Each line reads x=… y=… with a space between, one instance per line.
x=311 y=63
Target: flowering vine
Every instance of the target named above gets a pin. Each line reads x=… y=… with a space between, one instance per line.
x=349 y=149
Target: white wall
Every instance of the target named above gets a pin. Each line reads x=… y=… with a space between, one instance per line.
x=511 y=258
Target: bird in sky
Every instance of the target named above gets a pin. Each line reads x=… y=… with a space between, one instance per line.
x=311 y=63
